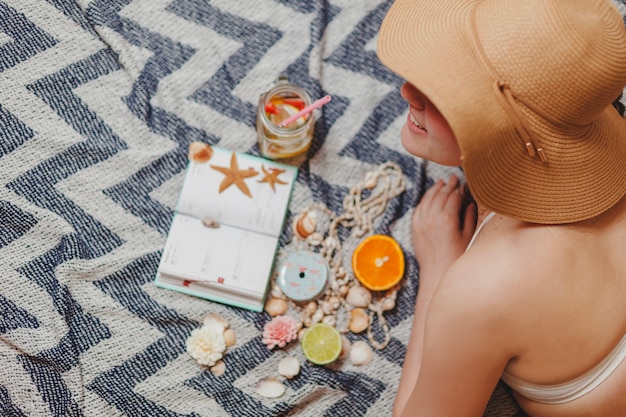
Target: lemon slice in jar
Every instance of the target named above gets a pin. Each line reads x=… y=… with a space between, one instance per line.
x=284 y=112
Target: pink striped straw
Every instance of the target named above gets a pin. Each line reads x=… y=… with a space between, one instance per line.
x=315 y=105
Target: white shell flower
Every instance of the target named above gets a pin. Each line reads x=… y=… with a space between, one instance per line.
x=206 y=345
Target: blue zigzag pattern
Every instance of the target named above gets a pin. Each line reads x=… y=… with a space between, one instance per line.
x=55 y=368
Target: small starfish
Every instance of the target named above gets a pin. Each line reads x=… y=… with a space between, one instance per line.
x=271 y=176
x=236 y=176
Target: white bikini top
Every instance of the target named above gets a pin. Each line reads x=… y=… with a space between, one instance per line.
x=570 y=390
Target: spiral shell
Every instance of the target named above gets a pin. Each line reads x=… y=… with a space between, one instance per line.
x=305 y=224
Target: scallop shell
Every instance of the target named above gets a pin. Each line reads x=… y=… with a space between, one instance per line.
x=270 y=387
x=215 y=321
x=289 y=367
x=305 y=224
x=276 y=306
x=359 y=320
x=360 y=353
x=200 y=152
x=359 y=297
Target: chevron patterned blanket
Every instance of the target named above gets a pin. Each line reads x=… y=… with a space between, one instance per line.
x=99 y=101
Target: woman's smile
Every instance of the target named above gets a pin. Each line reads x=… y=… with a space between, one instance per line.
x=414 y=125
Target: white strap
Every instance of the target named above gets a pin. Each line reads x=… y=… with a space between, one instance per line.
x=571 y=390
x=479 y=228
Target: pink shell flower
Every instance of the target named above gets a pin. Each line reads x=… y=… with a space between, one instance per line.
x=279 y=331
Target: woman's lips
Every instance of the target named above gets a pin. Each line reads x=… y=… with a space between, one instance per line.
x=414 y=125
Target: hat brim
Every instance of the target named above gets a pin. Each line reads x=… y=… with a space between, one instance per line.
x=428 y=44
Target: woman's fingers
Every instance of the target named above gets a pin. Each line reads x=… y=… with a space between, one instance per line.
x=441 y=195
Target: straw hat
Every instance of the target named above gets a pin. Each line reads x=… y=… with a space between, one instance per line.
x=527 y=88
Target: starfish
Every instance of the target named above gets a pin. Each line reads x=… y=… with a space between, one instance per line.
x=236 y=176
x=271 y=176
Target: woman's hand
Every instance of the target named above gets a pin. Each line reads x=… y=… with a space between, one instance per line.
x=440 y=232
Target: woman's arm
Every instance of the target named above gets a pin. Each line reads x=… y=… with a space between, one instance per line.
x=439 y=238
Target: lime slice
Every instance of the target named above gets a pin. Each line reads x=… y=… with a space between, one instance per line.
x=321 y=344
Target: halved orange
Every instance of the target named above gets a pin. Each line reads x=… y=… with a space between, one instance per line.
x=378 y=262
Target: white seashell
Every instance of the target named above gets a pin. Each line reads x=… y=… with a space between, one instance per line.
x=330 y=243
x=335 y=302
x=276 y=306
x=359 y=297
x=360 y=353
x=343 y=290
x=310 y=308
x=289 y=367
x=229 y=337
x=359 y=320
x=276 y=291
x=389 y=304
x=315 y=239
x=305 y=224
x=317 y=316
x=326 y=307
x=219 y=368
x=209 y=222
x=215 y=321
x=270 y=387
x=330 y=320
x=341 y=272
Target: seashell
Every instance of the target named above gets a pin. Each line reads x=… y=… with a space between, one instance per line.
x=289 y=367
x=389 y=304
x=345 y=346
x=343 y=290
x=305 y=224
x=359 y=320
x=330 y=243
x=270 y=387
x=209 y=222
x=229 y=337
x=218 y=369
x=330 y=320
x=335 y=302
x=199 y=152
x=360 y=353
x=276 y=291
x=359 y=296
x=326 y=307
x=317 y=316
x=215 y=321
x=276 y=306
x=341 y=272
x=315 y=239
x=310 y=308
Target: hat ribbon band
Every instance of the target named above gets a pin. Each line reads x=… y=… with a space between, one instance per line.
x=507 y=100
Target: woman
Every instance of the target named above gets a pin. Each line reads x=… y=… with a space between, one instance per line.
x=519 y=94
